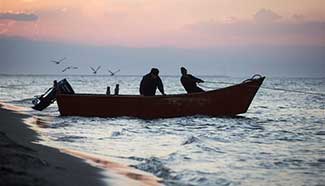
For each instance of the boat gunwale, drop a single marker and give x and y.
(167, 95)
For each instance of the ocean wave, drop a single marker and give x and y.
(320, 133)
(289, 163)
(70, 138)
(284, 135)
(201, 178)
(26, 101)
(136, 158)
(190, 139)
(16, 87)
(155, 166)
(59, 124)
(116, 133)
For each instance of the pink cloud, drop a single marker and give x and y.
(266, 16)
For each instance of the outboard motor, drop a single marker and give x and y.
(43, 101)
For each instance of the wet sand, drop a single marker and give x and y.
(24, 162)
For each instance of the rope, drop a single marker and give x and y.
(204, 86)
(296, 91)
(269, 88)
(220, 82)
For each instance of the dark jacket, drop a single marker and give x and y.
(149, 85)
(189, 83)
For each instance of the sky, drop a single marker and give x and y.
(196, 25)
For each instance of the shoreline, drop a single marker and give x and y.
(25, 162)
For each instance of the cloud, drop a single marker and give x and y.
(263, 29)
(298, 17)
(19, 16)
(266, 16)
(253, 29)
(3, 31)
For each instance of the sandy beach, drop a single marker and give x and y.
(24, 162)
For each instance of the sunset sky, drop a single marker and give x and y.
(214, 37)
(176, 23)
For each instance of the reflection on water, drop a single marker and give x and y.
(135, 176)
(279, 141)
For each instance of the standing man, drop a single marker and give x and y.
(150, 83)
(189, 82)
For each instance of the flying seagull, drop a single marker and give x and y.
(113, 73)
(68, 68)
(95, 71)
(58, 61)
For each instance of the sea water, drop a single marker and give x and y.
(279, 141)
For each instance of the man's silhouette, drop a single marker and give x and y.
(150, 83)
(189, 82)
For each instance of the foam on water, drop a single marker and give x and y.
(279, 141)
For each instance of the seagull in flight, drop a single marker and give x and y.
(58, 61)
(68, 68)
(95, 71)
(113, 73)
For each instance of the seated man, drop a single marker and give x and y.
(150, 83)
(189, 82)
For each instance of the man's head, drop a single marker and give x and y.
(154, 72)
(183, 71)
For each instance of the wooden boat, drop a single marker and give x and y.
(228, 101)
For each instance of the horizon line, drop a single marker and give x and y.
(164, 75)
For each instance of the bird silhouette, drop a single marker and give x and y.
(95, 71)
(113, 73)
(58, 61)
(68, 68)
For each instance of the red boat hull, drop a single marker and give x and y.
(228, 101)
